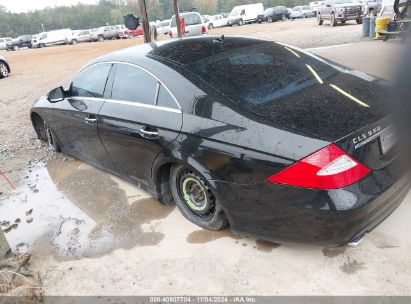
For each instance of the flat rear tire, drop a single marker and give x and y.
(195, 199)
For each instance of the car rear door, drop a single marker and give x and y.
(139, 120)
(76, 117)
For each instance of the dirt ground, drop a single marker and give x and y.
(94, 234)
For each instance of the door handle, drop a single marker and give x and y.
(90, 119)
(151, 133)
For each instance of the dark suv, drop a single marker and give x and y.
(274, 14)
(19, 42)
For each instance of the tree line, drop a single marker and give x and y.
(83, 16)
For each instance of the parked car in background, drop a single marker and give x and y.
(217, 21)
(372, 7)
(301, 12)
(19, 42)
(163, 27)
(339, 11)
(121, 30)
(314, 5)
(82, 36)
(3, 42)
(243, 14)
(58, 37)
(135, 33)
(273, 14)
(104, 32)
(4, 67)
(194, 25)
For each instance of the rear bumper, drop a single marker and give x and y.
(283, 213)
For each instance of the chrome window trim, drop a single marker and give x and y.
(157, 93)
(140, 67)
(143, 105)
(87, 98)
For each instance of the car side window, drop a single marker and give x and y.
(90, 82)
(132, 83)
(165, 99)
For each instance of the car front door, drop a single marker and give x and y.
(138, 122)
(76, 117)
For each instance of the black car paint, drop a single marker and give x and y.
(21, 41)
(234, 149)
(277, 13)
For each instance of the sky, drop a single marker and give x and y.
(21, 6)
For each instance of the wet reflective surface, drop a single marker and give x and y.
(70, 209)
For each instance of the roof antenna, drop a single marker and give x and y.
(221, 39)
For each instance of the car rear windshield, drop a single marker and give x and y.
(258, 74)
(189, 19)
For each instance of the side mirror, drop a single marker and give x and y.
(56, 95)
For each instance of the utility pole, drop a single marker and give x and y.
(177, 14)
(144, 21)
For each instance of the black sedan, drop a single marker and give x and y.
(4, 67)
(273, 14)
(269, 139)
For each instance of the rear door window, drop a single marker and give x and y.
(132, 83)
(91, 82)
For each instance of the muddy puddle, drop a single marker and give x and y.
(71, 210)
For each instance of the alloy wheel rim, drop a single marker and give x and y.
(3, 70)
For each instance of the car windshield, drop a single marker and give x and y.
(268, 10)
(343, 1)
(189, 19)
(261, 73)
(297, 8)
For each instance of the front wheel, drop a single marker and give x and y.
(74, 42)
(333, 21)
(359, 20)
(4, 72)
(283, 18)
(195, 199)
(319, 20)
(15, 48)
(240, 22)
(51, 139)
(270, 19)
(304, 16)
(100, 38)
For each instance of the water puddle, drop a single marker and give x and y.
(72, 210)
(206, 236)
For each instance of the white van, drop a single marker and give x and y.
(243, 14)
(57, 37)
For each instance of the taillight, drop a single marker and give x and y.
(204, 29)
(170, 34)
(329, 168)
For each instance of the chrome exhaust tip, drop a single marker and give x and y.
(356, 240)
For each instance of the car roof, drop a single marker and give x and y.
(181, 51)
